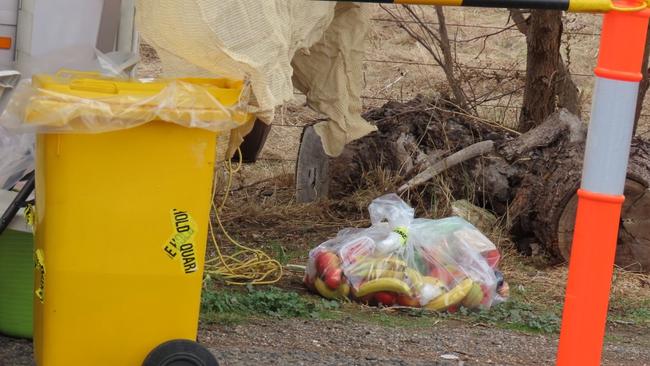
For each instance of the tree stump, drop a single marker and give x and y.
(632, 252)
(312, 168)
(533, 177)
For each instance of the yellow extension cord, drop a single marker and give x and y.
(246, 266)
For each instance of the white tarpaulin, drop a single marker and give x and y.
(315, 46)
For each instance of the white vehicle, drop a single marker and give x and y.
(30, 29)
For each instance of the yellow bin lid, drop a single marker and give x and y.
(90, 102)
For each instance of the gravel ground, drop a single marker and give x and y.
(344, 342)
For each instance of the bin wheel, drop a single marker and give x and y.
(180, 352)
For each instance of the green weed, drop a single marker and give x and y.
(236, 306)
(637, 315)
(519, 316)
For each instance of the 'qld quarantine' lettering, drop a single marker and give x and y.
(181, 244)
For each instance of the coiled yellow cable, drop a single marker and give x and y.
(247, 266)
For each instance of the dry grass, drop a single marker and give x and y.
(266, 216)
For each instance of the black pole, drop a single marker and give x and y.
(520, 4)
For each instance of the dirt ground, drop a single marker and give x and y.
(342, 342)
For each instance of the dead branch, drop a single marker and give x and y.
(520, 21)
(544, 135)
(485, 37)
(470, 152)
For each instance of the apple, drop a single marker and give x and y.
(386, 298)
(492, 257)
(326, 259)
(487, 295)
(356, 252)
(448, 274)
(309, 283)
(332, 277)
(405, 300)
(367, 300)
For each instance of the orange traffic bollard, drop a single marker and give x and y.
(603, 180)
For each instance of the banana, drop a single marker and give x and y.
(393, 264)
(474, 297)
(451, 298)
(379, 273)
(392, 261)
(384, 285)
(343, 291)
(325, 291)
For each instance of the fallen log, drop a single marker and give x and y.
(532, 177)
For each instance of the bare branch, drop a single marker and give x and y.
(437, 43)
(470, 152)
(520, 21)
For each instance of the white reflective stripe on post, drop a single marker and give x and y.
(610, 133)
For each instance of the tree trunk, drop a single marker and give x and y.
(645, 82)
(544, 37)
(532, 178)
(568, 94)
(449, 62)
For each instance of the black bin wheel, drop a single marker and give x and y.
(180, 352)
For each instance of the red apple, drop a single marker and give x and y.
(326, 259)
(487, 295)
(357, 251)
(332, 277)
(447, 274)
(309, 283)
(405, 300)
(386, 298)
(492, 257)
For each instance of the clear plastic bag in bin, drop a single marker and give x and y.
(16, 157)
(72, 101)
(434, 264)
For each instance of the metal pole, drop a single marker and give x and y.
(577, 6)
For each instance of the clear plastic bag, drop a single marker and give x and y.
(17, 157)
(81, 90)
(88, 102)
(434, 264)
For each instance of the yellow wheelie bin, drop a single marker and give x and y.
(122, 215)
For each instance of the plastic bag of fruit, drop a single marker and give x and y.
(400, 260)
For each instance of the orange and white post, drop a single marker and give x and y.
(603, 180)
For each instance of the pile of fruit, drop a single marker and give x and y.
(391, 281)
